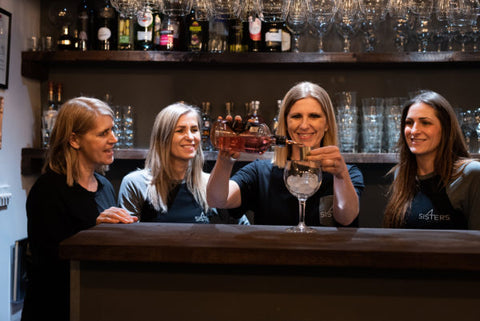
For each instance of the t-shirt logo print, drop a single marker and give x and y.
(202, 218)
(325, 210)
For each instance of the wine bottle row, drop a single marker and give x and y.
(103, 28)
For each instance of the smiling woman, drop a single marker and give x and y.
(307, 117)
(171, 187)
(436, 183)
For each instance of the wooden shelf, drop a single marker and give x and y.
(36, 64)
(32, 158)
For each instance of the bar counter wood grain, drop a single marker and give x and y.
(185, 272)
(272, 245)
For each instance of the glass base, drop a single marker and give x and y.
(300, 229)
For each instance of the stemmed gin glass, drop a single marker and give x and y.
(302, 178)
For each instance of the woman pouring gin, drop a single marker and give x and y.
(306, 117)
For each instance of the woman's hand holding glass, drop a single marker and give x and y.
(330, 159)
(116, 215)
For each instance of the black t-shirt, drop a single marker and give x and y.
(264, 192)
(431, 208)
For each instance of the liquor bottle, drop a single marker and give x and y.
(65, 40)
(86, 25)
(144, 29)
(125, 32)
(275, 118)
(255, 138)
(157, 27)
(49, 115)
(206, 126)
(197, 33)
(170, 33)
(218, 35)
(77, 43)
(236, 41)
(255, 32)
(59, 96)
(272, 36)
(254, 112)
(106, 29)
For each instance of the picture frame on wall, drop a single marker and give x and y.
(5, 30)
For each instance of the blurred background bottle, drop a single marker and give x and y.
(86, 25)
(171, 35)
(144, 28)
(236, 42)
(65, 40)
(106, 26)
(197, 33)
(49, 115)
(125, 32)
(206, 126)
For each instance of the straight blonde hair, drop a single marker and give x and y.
(300, 91)
(159, 159)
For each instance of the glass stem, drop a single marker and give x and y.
(301, 213)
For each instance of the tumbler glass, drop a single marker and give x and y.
(393, 111)
(372, 124)
(347, 121)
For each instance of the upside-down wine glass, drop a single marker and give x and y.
(373, 11)
(297, 20)
(347, 21)
(423, 9)
(398, 10)
(302, 178)
(321, 14)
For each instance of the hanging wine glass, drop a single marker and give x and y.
(302, 179)
(347, 21)
(176, 8)
(462, 16)
(273, 10)
(423, 9)
(297, 20)
(398, 10)
(321, 14)
(372, 11)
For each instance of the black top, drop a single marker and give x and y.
(264, 192)
(55, 212)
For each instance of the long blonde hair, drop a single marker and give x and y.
(300, 91)
(451, 155)
(159, 159)
(77, 115)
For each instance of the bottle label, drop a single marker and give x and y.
(145, 18)
(166, 38)
(104, 34)
(255, 28)
(83, 35)
(273, 35)
(144, 35)
(286, 41)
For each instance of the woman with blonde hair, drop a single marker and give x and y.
(436, 183)
(68, 197)
(172, 186)
(307, 117)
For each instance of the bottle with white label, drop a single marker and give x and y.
(144, 29)
(106, 23)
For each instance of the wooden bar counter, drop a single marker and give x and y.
(149, 271)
